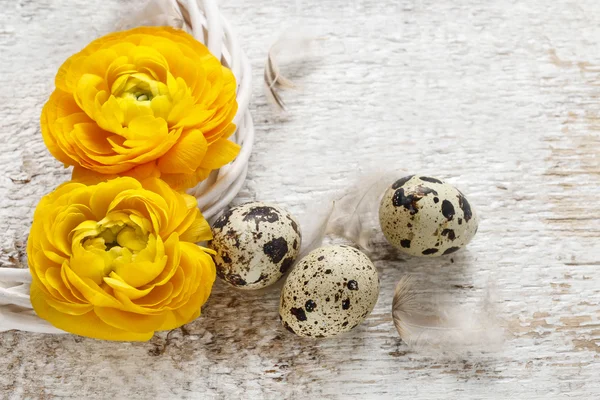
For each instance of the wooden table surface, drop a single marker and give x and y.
(500, 98)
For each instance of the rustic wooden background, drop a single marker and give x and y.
(499, 97)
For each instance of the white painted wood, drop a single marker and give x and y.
(500, 98)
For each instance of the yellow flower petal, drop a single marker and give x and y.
(183, 181)
(157, 297)
(219, 153)
(221, 131)
(146, 266)
(54, 280)
(149, 60)
(128, 321)
(88, 87)
(90, 290)
(186, 155)
(197, 231)
(89, 177)
(119, 285)
(90, 264)
(87, 324)
(59, 105)
(64, 224)
(196, 116)
(171, 248)
(106, 193)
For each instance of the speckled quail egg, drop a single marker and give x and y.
(331, 290)
(423, 216)
(256, 243)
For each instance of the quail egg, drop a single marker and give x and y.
(423, 216)
(256, 243)
(331, 290)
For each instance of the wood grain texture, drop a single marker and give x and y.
(500, 98)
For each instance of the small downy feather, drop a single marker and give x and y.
(156, 13)
(314, 227)
(356, 214)
(352, 214)
(441, 326)
(291, 45)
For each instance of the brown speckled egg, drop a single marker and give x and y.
(329, 291)
(256, 243)
(423, 216)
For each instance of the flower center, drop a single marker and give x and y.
(118, 234)
(138, 87)
(123, 236)
(119, 243)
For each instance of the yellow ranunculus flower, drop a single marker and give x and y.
(118, 260)
(148, 102)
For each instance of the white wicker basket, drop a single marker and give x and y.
(203, 19)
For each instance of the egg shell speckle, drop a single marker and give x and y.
(330, 291)
(256, 243)
(423, 216)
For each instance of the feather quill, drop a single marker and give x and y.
(441, 326)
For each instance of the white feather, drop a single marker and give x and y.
(440, 326)
(293, 45)
(155, 13)
(352, 214)
(356, 214)
(314, 227)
